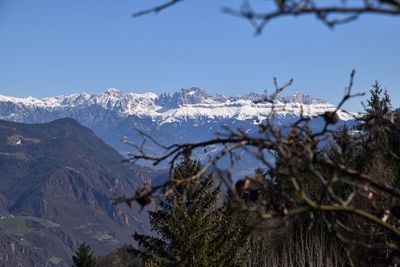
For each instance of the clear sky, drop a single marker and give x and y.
(56, 47)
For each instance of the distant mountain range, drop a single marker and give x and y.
(193, 103)
(57, 182)
(189, 115)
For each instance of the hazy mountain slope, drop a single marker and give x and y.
(57, 181)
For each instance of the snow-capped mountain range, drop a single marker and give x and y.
(188, 115)
(186, 104)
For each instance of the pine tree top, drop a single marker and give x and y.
(84, 256)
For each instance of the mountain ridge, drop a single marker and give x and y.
(186, 103)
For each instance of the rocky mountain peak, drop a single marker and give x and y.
(194, 95)
(113, 92)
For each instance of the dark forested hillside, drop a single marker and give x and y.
(57, 182)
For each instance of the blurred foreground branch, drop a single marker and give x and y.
(330, 13)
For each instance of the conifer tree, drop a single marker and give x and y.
(84, 256)
(381, 139)
(192, 230)
(371, 151)
(375, 120)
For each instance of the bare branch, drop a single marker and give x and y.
(156, 9)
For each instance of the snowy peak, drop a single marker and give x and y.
(192, 96)
(113, 92)
(194, 91)
(301, 98)
(125, 103)
(296, 97)
(195, 95)
(73, 100)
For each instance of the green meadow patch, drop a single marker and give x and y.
(21, 225)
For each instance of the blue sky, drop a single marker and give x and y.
(60, 47)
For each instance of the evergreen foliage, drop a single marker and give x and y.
(369, 148)
(121, 257)
(84, 256)
(192, 230)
